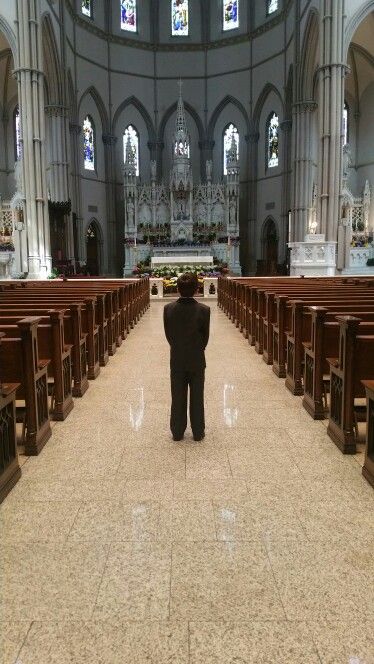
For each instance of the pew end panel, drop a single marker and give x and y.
(368, 467)
(10, 470)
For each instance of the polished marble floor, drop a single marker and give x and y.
(120, 546)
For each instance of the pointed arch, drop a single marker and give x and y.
(134, 101)
(91, 91)
(193, 113)
(354, 22)
(218, 110)
(308, 57)
(51, 63)
(11, 38)
(266, 91)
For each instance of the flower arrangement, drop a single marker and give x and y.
(6, 243)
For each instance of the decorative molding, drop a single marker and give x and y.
(55, 110)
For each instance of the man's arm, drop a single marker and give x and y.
(206, 326)
(166, 325)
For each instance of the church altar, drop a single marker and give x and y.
(181, 259)
(181, 221)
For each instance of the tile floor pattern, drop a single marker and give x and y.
(254, 546)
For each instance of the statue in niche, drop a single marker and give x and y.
(130, 213)
(232, 213)
(347, 162)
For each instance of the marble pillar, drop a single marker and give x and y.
(302, 168)
(30, 80)
(115, 257)
(331, 99)
(252, 139)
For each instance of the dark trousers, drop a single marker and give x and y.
(180, 382)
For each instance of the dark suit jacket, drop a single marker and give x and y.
(186, 323)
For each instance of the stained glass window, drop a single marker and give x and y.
(128, 15)
(230, 14)
(272, 6)
(17, 134)
(273, 141)
(345, 123)
(179, 18)
(87, 8)
(131, 132)
(89, 144)
(230, 132)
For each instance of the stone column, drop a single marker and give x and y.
(115, 244)
(75, 152)
(303, 168)
(331, 98)
(252, 140)
(30, 80)
(286, 127)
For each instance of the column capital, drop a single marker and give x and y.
(156, 145)
(109, 139)
(305, 106)
(286, 125)
(206, 144)
(75, 128)
(252, 137)
(55, 110)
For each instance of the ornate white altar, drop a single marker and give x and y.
(314, 257)
(181, 217)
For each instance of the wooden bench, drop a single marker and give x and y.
(51, 347)
(368, 467)
(10, 470)
(73, 334)
(19, 363)
(324, 343)
(354, 364)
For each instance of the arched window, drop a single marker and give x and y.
(131, 132)
(87, 8)
(17, 134)
(89, 144)
(272, 138)
(230, 14)
(229, 133)
(345, 123)
(179, 18)
(128, 15)
(271, 6)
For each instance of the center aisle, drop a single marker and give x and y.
(122, 546)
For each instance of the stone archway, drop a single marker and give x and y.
(93, 249)
(270, 240)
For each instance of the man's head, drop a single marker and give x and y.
(188, 284)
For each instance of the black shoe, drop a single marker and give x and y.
(177, 440)
(198, 439)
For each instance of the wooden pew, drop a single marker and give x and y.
(73, 334)
(301, 329)
(354, 364)
(51, 347)
(19, 363)
(324, 343)
(368, 467)
(10, 470)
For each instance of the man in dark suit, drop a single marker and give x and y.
(186, 323)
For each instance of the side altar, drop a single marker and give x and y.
(181, 220)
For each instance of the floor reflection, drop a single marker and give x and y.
(230, 407)
(137, 408)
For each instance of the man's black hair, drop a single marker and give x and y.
(188, 284)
